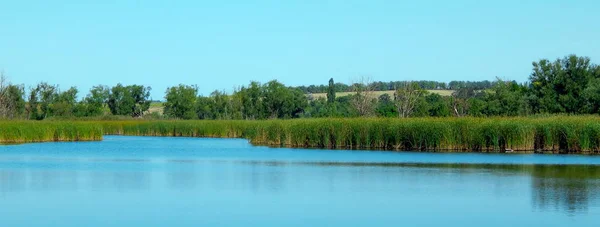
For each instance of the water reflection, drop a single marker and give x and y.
(120, 180)
(53, 180)
(564, 188)
(12, 181)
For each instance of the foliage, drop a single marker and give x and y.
(12, 104)
(180, 102)
(574, 134)
(64, 103)
(95, 102)
(406, 98)
(130, 100)
(331, 91)
(558, 86)
(40, 99)
(570, 85)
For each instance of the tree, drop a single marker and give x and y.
(204, 108)
(95, 101)
(40, 100)
(141, 97)
(252, 106)
(559, 85)
(64, 103)
(180, 101)
(331, 91)
(461, 100)
(592, 95)
(386, 106)
(283, 102)
(12, 103)
(438, 105)
(5, 105)
(132, 100)
(221, 105)
(505, 98)
(406, 98)
(363, 100)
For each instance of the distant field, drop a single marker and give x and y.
(156, 107)
(379, 93)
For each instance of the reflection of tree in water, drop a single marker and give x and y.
(568, 188)
(121, 180)
(12, 181)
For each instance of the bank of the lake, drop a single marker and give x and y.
(14, 132)
(558, 134)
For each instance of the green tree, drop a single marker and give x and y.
(40, 100)
(505, 98)
(406, 98)
(64, 103)
(95, 102)
(559, 85)
(180, 101)
(460, 101)
(204, 108)
(132, 100)
(252, 106)
(221, 105)
(283, 102)
(12, 104)
(385, 106)
(438, 105)
(363, 100)
(592, 96)
(331, 91)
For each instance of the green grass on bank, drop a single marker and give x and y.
(43, 131)
(574, 134)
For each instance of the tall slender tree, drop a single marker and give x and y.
(331, 91)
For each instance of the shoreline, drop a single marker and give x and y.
(558, 134)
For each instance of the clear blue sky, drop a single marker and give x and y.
(222, 44)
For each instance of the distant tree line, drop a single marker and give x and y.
(393, 85)
(569, 85)
(47, 100)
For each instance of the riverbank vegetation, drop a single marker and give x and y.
(556, 110)
(12, 132)
(558, 134)
(569, 85)
(553, 134)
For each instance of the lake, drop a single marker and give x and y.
(156, 181)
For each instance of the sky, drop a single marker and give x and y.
(220, 45)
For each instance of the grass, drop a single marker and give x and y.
(36, 131)
(156, 107)
(565, 134)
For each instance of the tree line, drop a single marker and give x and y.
(47, 100)
(393, 85)
(569, 85)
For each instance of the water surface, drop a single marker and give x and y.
(152, 181)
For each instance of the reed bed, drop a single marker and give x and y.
(564, 134)
(36, 131)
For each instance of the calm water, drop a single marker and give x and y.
(149, 181)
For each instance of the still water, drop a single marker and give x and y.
(152, 181)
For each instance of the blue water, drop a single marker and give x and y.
(153, 181)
